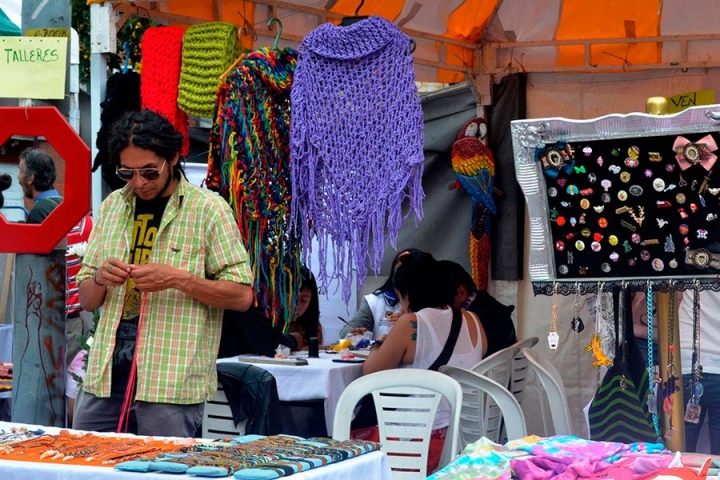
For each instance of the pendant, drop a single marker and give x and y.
(553, 340)
(692, 411)
(652, 403)
(699, 390)
(577, 325)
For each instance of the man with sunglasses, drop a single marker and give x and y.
(164, 259)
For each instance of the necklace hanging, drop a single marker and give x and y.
(553, 337)
(693, 409)
(577, 323)
(671, 385)
(652, 381)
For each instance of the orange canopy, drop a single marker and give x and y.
(487, 37)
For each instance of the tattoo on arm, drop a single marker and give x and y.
(413, 324)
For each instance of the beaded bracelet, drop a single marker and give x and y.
(95, 280)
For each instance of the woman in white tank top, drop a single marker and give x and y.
(419, 336)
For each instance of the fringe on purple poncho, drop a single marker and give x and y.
(356, 145)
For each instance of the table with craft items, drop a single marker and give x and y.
(368, 465)
(321, 379)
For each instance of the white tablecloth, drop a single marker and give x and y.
(372, 465)
(320, 379)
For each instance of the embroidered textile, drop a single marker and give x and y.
(356, 145)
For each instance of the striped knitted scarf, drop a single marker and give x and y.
(357, 145)
(249, 165)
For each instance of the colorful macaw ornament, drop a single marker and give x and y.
(474, 167)
(556, 158)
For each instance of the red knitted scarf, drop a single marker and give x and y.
(161, 61)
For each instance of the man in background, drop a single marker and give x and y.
(37, 178)
(495, 317)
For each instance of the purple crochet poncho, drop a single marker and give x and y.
(356, 145)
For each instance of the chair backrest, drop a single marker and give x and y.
(218, 418)
(497, 367)
(405, 424)
(553, 384)
(520, 368)
(475, 387)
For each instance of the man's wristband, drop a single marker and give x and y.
(95, 280)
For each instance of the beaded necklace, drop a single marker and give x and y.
(693, 408)
(553, 337)
(652, 396)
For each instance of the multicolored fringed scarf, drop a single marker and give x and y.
(249, 165)
(357, 145)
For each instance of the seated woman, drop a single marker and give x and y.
(380, 309)
(307, 318)
(419, 336)
(252, 332)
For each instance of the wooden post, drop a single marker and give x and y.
(39, 340)
(677, 442)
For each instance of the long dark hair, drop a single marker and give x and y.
(147, 130)
(387, 289)
(420, 279)
(309, 321)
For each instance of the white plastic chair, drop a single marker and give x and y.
(218, 419)
(475, 387)
(497, 367)
(405, 423)
(520, 368)
(553, 384)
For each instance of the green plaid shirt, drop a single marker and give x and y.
(177, 346)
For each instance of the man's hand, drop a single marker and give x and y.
(393, 318)
(113, 273)
(153, 277)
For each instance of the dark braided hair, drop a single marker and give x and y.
(42, 166)
(147, 130)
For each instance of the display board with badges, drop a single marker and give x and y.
(622, 198)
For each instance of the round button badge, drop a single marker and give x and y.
(563, 269)
(552, 192)
(584, 203)
(580, 245)
(622, 195)
(613, 240)
(560, 246)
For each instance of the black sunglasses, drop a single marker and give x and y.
(127, 174)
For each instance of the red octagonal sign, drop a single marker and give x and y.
(49, 123)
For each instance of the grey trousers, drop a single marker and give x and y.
(157, 419)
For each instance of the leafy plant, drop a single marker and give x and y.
(131, 33)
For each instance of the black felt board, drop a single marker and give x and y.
(663, 210)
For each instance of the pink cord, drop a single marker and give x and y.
(124, 421)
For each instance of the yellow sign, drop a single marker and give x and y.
(678, 103)
(48, 32)
(33, 67)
